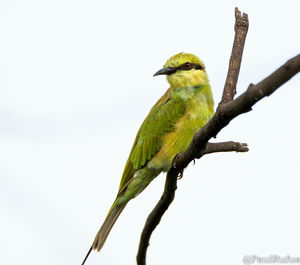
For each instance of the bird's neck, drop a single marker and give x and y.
(192, 78)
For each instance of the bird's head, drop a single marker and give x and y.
(184, 70)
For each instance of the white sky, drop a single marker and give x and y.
(75, 84)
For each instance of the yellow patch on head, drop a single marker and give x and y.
(181, 58)
(186, 78)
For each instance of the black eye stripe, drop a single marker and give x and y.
(199, 66)
(192, 66)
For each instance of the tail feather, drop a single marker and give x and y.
(103, 233)
(110, 220)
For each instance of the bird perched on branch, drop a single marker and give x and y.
(167, 131)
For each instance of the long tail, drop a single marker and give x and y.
(103, 233)
(110, 220)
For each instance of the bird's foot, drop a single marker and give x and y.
(180, 175)
(174, 161)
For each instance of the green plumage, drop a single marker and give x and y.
(167, 130)
(159, 122)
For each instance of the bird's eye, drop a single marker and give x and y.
(187, 65)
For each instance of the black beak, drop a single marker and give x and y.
(165, 71)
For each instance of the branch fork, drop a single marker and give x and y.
(227, 110)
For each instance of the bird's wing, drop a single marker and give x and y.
(160, 121)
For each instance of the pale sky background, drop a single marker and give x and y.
(75, 85)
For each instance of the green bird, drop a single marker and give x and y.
(167, 131)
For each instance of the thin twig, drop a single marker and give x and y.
(225, 147)
(241, 29)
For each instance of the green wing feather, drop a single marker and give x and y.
(160, 121)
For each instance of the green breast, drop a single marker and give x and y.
(199, 109)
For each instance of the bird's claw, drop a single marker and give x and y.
(180, 175)
(174, 161)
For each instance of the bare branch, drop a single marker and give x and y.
(196, 149)
(155, 216)
(227, 110)
(225, 147)
(242, 104)
(169, 194)
(241, 29)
